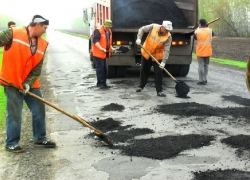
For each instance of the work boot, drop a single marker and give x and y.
(201, 83)
(15, 149)
(47, 144)
(139, 89)
(161, 94)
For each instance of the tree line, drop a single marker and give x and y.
(235, 16)
(5, 19)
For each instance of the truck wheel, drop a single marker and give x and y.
(121, 71)
(92, 60)
(173, 69)
(111, 71)
(184, 69)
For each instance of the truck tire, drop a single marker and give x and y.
(184, 69)
(111, 71)
(92, 60)
(173, 69)
(120, 71)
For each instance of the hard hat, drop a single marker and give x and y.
(108, 23)
(167, 25)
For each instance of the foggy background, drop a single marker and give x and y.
(60, 13)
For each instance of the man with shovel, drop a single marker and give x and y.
(158, 44)
(23, 55)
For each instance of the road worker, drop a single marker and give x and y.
(158, 44)
(23, 55)
(203, 35)
(102, 47)
(11, 24)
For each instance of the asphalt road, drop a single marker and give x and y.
(81, 156)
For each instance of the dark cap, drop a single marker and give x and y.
(203, 22)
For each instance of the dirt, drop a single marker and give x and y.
(37, 162)
(230, 48)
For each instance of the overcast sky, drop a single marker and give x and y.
(58, 12)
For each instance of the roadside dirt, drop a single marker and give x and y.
(36, 162)
(231, 48)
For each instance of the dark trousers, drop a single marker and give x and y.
(145, 70)
(101, 71)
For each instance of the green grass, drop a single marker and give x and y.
(74, 34)
(229, 62)
(2, 100)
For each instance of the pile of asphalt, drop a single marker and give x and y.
(155, 148)
(227, 174)
(137, 13)
(167, 147)
(197, 110)
(113, 107)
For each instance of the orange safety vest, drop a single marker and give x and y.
(204, 42)
(18, 60)
(155, 44)
(103, 42)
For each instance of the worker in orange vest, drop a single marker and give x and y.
(203, 35)
(102, 47)
(158, 44)
(23, 55)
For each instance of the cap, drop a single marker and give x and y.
(203, 21)
(167, 25)
(108, 23)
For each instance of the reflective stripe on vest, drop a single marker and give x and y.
(103, 42)
(18, 60)
(155, 44)
(204, 42)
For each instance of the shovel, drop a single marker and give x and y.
(100, 134)
(121, 49)
(181, 88)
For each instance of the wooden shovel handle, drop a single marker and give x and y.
(158, 63)
(77, 118)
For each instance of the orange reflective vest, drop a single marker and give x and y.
(103, 42)
(18, 60)
(204, 42)
(155, 44)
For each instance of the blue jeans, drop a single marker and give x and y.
(14, 116)
(101, 71)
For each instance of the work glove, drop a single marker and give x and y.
(162, 65)
(25, 90)
(138, 42)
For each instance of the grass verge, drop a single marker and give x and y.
(2, 100)
(229, 62)
(75, 34)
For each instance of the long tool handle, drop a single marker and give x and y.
(218, 18)
(77, 118)
(159, 63)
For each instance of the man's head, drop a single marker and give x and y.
(108, 23)
(11, 24)
(166, 26)
(38, 25)
(203, 22)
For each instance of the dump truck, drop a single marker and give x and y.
(129, 15)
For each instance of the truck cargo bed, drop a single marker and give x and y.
(132, 14)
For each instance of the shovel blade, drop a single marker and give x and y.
(181, 89)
